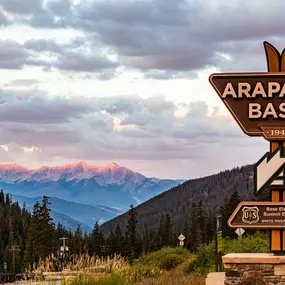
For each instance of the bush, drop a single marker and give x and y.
(205, 258)
(170, 261)
(157, 258)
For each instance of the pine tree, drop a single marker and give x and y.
(32, 241)
(47, 229)
(160, 233)
(168, 233)
(226, 210)
(201, 223)
(132, 232)
(193, 238)
(96, 241)
(119, 240)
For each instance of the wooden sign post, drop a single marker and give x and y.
(257, 103)
(276, 63)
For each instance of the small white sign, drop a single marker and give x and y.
(181, 237)
(239, 232)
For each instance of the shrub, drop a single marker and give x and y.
(157, 258)
(205, 258)
(170, 261)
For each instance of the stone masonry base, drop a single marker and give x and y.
(254, 269)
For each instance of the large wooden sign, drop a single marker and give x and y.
(258, 215)
(256, 101)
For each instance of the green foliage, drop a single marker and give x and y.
(110, 280)
(166, 258)
(171, 261)
(259, 242)
(82, 279)
(205, 258)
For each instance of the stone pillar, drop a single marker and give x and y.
(254, 269)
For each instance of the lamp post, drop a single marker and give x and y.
(63, 250)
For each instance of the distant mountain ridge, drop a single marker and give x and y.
(113, 187)
(71, 214)
(211, 190)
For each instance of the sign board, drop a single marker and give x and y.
(256, 101)
(258, 215)
(239, 232)
(181, 237)
(181, 243)
(269, 170)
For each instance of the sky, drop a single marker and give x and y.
(126, 81)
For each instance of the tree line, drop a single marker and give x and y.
(34, 236)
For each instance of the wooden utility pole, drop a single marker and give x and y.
(276, 63)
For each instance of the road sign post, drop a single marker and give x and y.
(219, 242)
(181, 240)
(256, 101)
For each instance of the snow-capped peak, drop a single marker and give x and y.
(103, 175)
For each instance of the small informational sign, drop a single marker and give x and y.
(258, 215)
(239, 232)
(181, 237)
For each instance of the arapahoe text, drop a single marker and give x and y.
(244, 90)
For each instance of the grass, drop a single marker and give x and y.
(168, 266)
(163, 267)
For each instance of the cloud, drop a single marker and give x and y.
(37, 108)
(20, 7)
(86, 127)
(63, 57)
(163, 40)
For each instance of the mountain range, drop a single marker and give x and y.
(213, 191)
(81, 193)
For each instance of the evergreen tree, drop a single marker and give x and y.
(168, 233)
(132, 232)
(193, 237)
(96, 241)
(226, 211)
(160, 232)
(119, 239)
(201, 224)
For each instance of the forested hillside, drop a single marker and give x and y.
(212, 190)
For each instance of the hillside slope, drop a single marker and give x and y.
(212, 190)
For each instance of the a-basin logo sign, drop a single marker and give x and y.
(256, 101)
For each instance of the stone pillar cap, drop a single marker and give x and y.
(269, 258)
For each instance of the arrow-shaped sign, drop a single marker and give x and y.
(267, 170)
